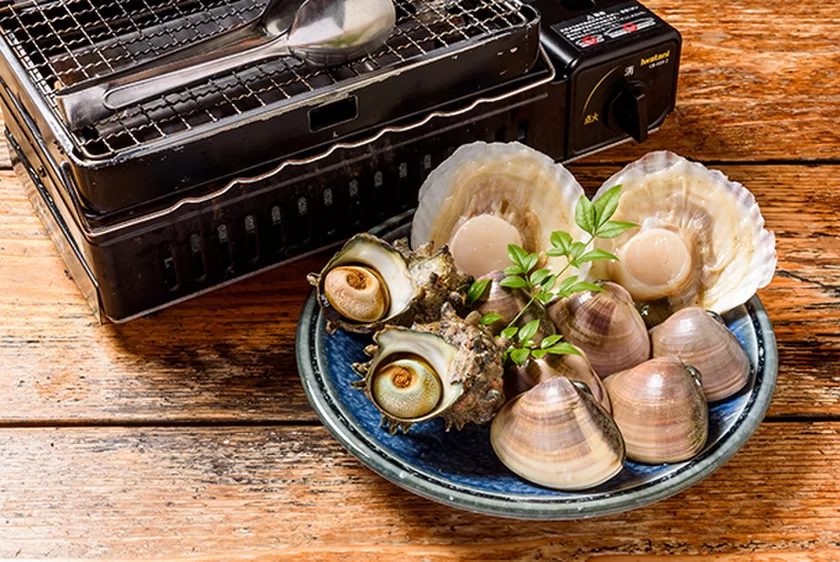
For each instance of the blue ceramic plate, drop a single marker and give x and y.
(459, 468)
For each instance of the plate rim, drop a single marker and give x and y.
(417, 481)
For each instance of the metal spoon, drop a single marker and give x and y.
(322, 33)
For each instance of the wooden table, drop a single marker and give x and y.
(188, 434)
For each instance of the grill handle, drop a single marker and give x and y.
(87, 102)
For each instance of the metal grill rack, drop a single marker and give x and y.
(62, 42)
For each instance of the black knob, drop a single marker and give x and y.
(628, 111)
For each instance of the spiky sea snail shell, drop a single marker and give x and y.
(369, 283)
(660, 409)
(699, 339)
(558, 436)
(573, 367)
(460, 354)
(486, 196)
(701, 240)
(508, 303)
(605, 325)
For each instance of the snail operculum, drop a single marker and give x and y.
(365, 285)
(451, 368)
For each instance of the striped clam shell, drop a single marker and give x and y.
(700, 340)
(573, 367)
(606, 326)
(660, 409)
(556, 435)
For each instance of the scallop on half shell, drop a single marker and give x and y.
(451, 368)
(486, 196)
(558, 436)
(701, 239)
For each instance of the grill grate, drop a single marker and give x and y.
(62, 42)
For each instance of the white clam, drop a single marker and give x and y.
(701, 239)
(486, 196)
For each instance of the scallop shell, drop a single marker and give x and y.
(556, 435)
(729, 255)
(606, 326)
(660, 409)
(511, 181)
(700, 340)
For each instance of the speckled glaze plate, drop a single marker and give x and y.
(460, 469)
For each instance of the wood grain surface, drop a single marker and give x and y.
(293, 494)
(187, 435)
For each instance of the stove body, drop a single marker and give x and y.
(245, 172)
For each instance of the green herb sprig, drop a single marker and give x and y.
(542, 284)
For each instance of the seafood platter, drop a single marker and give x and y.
(516, 348)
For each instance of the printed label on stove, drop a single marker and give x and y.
(606, 25)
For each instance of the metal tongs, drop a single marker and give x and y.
(319, 32)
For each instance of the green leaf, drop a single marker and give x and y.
(517, 255)
(563, 349)
(528, 330)
(509, 332)
(514, 282)
(538, 353)
(611, 229)
(584, 286)
(577, 249)
(565, 285)
(544, 297)
(585, 215)
(530, 344)
(606, 205)
(596, 255)
(561, 241)
(556, 253)
(549, 282)
(539, 276)
(490, 318)
(519, 356)
(530, 262)
(513, 270)
(476, 291)
(550, 340)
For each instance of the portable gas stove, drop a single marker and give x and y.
(248, 170)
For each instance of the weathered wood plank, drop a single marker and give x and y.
(759, 81)
(286, 493)
(230, 355)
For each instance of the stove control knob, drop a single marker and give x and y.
(628, 111)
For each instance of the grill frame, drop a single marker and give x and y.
(61, 56)
(138, 267)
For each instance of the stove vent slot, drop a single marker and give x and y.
(225, 249)
(252, 240)
(197, 265)
(522, 131)
(170, 273)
